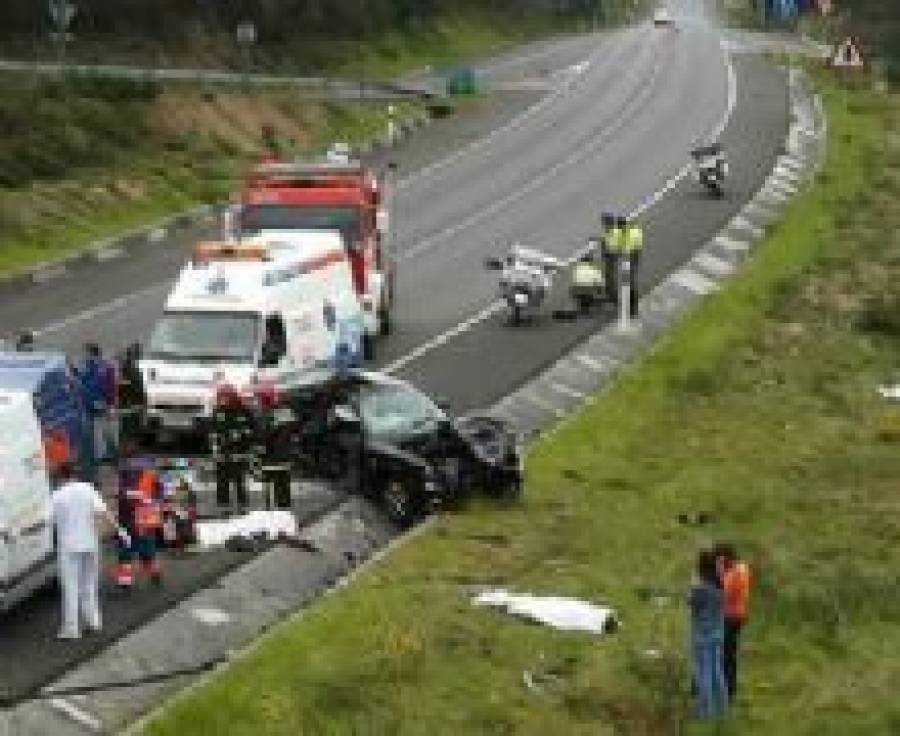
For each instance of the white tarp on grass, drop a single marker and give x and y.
(566, 614)
(273, 524)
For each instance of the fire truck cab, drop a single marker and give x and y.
(338, 194)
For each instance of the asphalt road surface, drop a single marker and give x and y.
(596, 124)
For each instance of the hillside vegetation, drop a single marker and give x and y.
(298, 35)
(83, 158)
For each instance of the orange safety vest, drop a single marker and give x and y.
(56, 450)
(736, 589)
(147, 508)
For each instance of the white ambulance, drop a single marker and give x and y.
(278, 308)
(27, 559)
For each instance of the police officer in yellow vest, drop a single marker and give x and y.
(587, 282)
(615, 245)
(632, 247)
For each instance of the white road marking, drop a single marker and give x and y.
(755, 207)
(100, 309)
(739, 222)
(567, 391)
(482, 142)
(713, 265)
(211, 616)
(532, 398)
(732, 244)
(81, 717)
(693, 281)
(588, 362)
(103, 255)
(538, 181)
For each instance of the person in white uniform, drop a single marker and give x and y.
(76, 508)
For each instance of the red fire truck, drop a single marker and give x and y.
(338, 194)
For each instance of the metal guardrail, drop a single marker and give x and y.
(323, 86)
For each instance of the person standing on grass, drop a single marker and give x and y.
(734, 575)
(707, 635)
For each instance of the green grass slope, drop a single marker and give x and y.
(761, 411)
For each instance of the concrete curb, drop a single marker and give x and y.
(545, 402)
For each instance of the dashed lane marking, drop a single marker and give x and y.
(76, 714)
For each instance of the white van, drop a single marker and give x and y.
(27, 558)
(278, 307)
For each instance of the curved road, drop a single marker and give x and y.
(612, 133)
(616, 126)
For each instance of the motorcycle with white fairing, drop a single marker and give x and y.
(526, 276)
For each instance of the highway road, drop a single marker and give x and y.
(617, 124)
(607, 125)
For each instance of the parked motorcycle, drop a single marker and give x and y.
(526, 276)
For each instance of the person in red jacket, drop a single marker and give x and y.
(734, 575)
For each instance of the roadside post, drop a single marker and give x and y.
(392, 124)
(61, 13)
(624, 294)
(245, 34)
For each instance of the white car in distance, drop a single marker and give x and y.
(662, 17)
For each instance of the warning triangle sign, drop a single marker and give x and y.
(846, 54)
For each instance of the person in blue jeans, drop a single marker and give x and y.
(707, 636)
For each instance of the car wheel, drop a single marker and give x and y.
(399, 502)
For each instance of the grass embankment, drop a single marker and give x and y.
(86, 158)
(759, 410)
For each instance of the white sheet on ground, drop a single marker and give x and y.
(270, 523)
(566, 614)
(890, 392)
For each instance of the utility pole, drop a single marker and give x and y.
(61, 14)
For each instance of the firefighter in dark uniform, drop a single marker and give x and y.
(232, 434)
(275, 430)
(131, 393)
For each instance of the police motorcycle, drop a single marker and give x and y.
(526, 276)
(710, 167)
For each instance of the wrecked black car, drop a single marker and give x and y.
(381, 437)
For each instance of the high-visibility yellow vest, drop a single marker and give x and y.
(615, 240)
(587, 275)
(633, 242)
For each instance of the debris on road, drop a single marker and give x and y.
(256, 524)
(565, 614)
